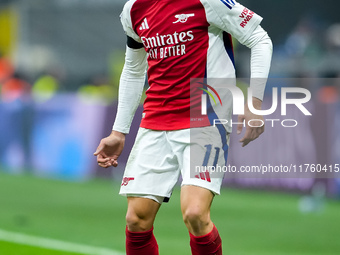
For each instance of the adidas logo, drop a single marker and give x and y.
(144, 25)
(204, 176)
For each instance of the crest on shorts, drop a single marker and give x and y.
(126, 180)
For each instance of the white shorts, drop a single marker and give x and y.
(159, 157)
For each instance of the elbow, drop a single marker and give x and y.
(265, 43)
(133, 73)
(135, 70)
(269, 43)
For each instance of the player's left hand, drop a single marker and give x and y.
(257, 126)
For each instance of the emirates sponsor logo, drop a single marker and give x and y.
(164, 46)
(169, 39)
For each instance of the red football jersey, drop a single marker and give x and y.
(185, 40)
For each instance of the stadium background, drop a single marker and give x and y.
(60, 62)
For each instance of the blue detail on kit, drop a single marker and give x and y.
(221, 129)
(229, 3)
(228, 45)
(207, 155)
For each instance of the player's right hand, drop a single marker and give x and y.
(110, 149)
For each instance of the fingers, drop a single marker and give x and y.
(246, 141)
(240, 125)
(251, 134)
(104, 165)
(115, 163)
(99, 149)
(247, 138)
(102, 159)
(107, 161)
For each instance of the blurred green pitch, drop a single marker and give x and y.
(92, 213)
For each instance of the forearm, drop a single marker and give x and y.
(130, 88)
(261, 54)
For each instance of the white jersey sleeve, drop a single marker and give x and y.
(232, 17)
(125, 19)
(130, 88)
